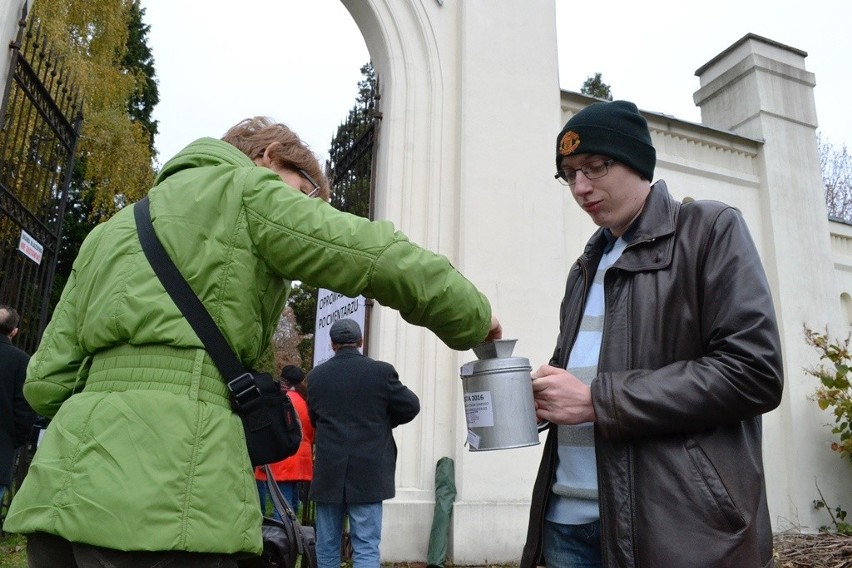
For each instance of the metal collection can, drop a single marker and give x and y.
(498, 399)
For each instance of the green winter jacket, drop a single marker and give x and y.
(143, 451)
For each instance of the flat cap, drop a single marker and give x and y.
(345, 332)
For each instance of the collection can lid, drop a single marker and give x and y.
(502, 365)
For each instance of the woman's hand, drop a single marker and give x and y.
(496, 331)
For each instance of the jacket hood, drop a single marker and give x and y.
(203, 152)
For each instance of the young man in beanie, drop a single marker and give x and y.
(354, 403)
(667, 355)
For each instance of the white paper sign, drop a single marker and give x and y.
(473, 440)
(331, 307)
(478, 410)
(31, 248)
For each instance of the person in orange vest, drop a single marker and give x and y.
(299, 467)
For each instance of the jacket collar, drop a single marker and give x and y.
(657, 218)
(347, 351)
(655, 222)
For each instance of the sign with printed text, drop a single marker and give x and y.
(31, 248)
(331, 307)
(478, 410)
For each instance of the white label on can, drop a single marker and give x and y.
(477, 409)
(472, 440)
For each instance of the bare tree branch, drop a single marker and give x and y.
(836, 178)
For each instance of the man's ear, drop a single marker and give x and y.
(14, 333)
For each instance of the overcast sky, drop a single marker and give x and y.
(299, 60)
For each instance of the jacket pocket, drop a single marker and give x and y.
(720, 506)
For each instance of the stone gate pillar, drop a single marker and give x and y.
(470, 111)
(760, 88)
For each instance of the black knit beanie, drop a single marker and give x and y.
(614, 129)
(292, 374)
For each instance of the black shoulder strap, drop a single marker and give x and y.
(184, 297)
(283, 508)
(278, 499)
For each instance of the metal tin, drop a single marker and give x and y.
(498, 403)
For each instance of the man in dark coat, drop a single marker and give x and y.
(16, 416)
(354, 403)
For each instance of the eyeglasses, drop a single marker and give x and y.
(307, 176)
(592, 170)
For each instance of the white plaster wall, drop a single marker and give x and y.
(512, 237)
(10, 14)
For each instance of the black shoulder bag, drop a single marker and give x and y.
(284, 541)
(271, 425)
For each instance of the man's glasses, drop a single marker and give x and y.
(592, 170)
(307, 176)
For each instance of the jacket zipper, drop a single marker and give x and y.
(630, 479)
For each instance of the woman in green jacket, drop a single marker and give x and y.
(143, 454)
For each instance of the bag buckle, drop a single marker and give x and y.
(244, 389)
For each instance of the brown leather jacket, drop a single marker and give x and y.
(689, 361)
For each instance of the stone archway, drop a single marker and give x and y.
(470, 102)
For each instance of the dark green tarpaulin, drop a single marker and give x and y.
(445, 494)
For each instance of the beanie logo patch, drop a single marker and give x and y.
(570, 141)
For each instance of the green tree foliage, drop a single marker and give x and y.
(595, 87)
(835, 389)
(350, 159)
(834, 393)
(303, 306)
(104, 47)
(139, 61)
(76, 224)
(836, 166)
(303, 302)
(350, 172)
(91, 40)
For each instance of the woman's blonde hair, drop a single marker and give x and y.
(252, 136)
